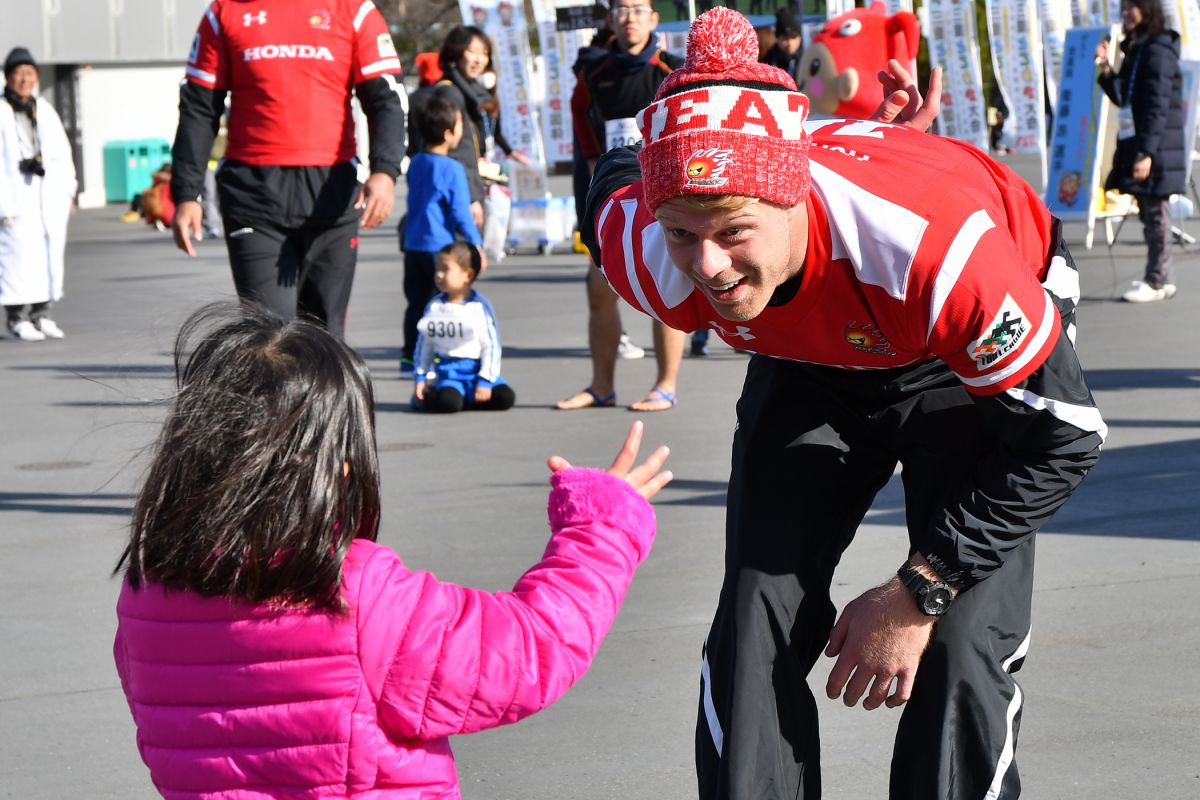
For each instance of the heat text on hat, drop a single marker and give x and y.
(736, 109)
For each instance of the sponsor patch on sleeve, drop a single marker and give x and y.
(1001, 337)
(387, 48)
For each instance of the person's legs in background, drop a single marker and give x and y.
(1159, 280)
(604, 335)
(327, 273)
(39, 315)
(19, 324)
(265, 263)
(419, 267)
(668, 353)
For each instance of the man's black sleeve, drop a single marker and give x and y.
(200, 111)
(384, 102)
(615, 170)
(1050, 433)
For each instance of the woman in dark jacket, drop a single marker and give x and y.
(1151, 158)
(465, 56)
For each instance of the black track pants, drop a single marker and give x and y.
(813, 447)
(292, 235)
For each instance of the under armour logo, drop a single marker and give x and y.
(248, 18)
(742, 332)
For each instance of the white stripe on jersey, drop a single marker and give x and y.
(378, 66)
(363, 10)
(1049, 325)
(212, 20)
(881, 256)
(201, 74)
(673, 286)
(1086, 418)
(628, 208)
(956, 258)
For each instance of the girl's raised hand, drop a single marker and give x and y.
(647, 478)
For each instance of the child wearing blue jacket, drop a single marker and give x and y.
(458, 347)
(439, 211)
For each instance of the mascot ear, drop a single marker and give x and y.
(904, 36)
(847, 84)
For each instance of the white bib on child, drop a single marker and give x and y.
(453, 328)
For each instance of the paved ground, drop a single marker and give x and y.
(1110, 679)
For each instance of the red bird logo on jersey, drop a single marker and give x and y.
(707, 167)
(867, 338)
(321, 19)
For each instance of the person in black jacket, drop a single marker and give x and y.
(611, 87)
(1151, 158)
(785, 53)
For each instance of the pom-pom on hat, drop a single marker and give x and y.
(725, 123)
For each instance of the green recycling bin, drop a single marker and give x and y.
(129, 166)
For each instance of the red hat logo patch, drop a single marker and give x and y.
(707, 167)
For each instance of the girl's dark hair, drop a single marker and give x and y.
(248, 496)
(1153, 21)
(435, 120)
(456, 43)
(466, 256)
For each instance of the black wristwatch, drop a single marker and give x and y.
(933, 597)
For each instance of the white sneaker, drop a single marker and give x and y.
(627, 349)
(1143, 292)
(50, 328)
(26, 332)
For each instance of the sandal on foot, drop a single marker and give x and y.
(592, 400)
(656, 395)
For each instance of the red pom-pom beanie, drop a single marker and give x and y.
(724, 123)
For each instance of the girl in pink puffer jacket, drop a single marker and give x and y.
(269, 648)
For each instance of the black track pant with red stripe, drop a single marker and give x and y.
(813, 447)
(292, 235)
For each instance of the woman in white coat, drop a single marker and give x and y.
(37, 187)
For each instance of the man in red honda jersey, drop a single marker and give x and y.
(910, 302)
(289, 193)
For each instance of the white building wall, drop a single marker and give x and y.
(128, 102)
(100, 31)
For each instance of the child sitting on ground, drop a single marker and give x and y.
(439, 209)
(269, 647)
(458, 346)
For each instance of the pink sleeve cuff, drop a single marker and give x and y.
(581, 496)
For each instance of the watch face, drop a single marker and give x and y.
(937, 601)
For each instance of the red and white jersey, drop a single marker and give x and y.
(290, 68)
(919, 247)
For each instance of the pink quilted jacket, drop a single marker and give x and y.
(238, 702)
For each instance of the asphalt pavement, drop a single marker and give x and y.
(1112, 698)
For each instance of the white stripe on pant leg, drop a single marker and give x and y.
(710, 711)
(1006, 754)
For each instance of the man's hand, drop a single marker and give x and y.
(419, 391)
(881, 636)
(375, 198)
(902, 103)
(1141, 168)
(482, 394)
(187, 225)
(477, 214)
